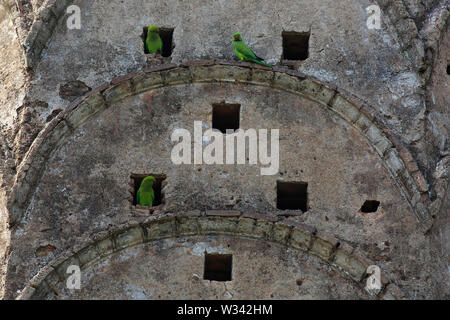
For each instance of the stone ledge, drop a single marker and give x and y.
(223, 213)
(259, 216)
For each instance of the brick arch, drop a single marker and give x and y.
(414, 42)
(406, 30)
(42, 29)
(398, 161)
(344, 258)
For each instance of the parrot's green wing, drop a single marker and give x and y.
(154, 45)
(138, 197)
(145, 198)
(246, 54)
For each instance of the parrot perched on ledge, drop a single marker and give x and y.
(244, 53)
(153, 43)
(146, 194)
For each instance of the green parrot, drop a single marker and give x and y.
(153, 43)
(244, 53)
(145, 194)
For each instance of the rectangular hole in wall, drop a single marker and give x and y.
(225, 116)
(166, 35)
(292, 196)
(136, 180)
(448, 69)
(295, 45)
(218, 267)
(370, 206)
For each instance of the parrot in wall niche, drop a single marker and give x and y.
(146, 194)
(153, 43)
(244, 53)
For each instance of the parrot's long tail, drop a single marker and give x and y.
(263, 63)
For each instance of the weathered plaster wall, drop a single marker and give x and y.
(343, 51)
(438, 131)
(89, 172)
(378, 65)
(11, 94)
(397, 70)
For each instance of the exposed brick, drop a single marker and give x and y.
(235, 63)
(105, 246)
(263, 229)
(345, 108)
(118, 91)
(43, 273)
(363, 123)
(409, 161)
(281, 232)
(160, 228)
(301, 238)
(393, 161)
(262, 76)
(198, 63)
(188, 225)
(53, 279)
(221, 73)
(212, 225)
(408, 184)
(129, 238)
(125, 77)
(258, 216)
(141, 209)
(84, 110)
(176, 76)
(309, 87)
(383, 145)
(376, 136)
(146, 81)
(193, 213)
(325, 94)
(350, 264)
(223, 213)
(160, 68)
(322, 247)
(290, 213)
(246, 226)
(420, 181)
(87, 254)
(286, 82)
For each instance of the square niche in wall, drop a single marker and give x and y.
(166, 35)
(295, 45)
(218, 267)
(136, 180)
(292, 196)
(370, 206)
(225, 116)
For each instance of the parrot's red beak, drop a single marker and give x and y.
(157, 31)
(236, 38)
